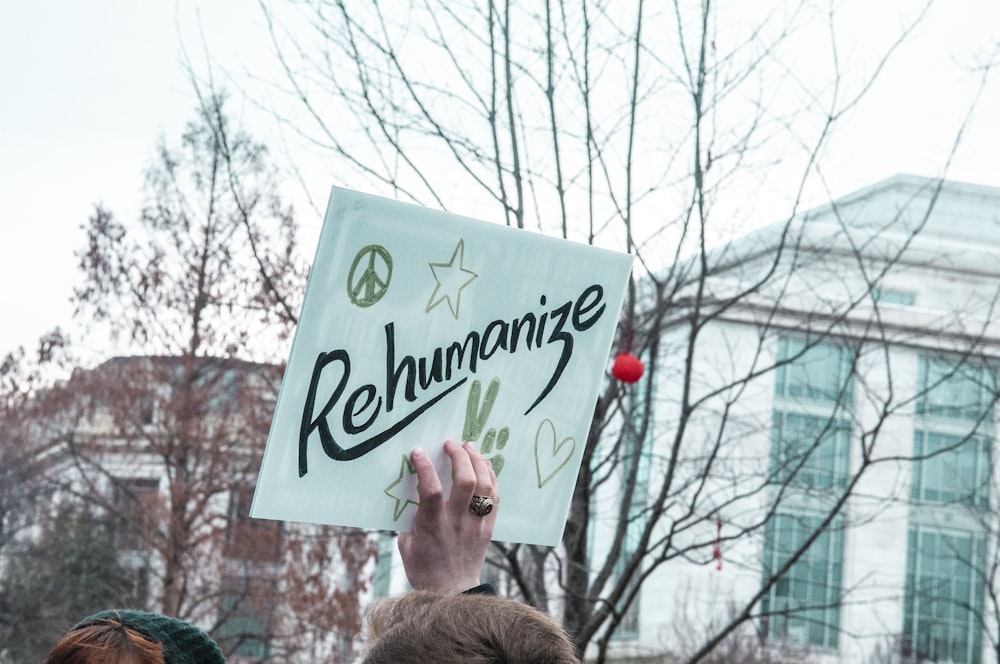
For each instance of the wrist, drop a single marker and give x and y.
(457, 585)
(445, 585)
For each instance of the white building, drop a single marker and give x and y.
(843, 386)
(864, 369)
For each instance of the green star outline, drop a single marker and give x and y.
(453, 306)
(404, 467)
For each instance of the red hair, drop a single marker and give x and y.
(107, 641)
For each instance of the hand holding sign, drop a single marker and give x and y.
(420, 325)
(446, 548)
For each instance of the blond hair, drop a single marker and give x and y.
(423, 627)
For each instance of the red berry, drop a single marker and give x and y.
(627, 368)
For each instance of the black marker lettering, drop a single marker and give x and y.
(567, 352)
(392, 373)
(426, 378)
(515, 330)
(460, 349)
(413, 377)
(309, 425)
(330, 446)
(350, 411)
(501, 338)
(541, 325)
(581, 308)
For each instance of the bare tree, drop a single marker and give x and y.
(215, 244)
(20, 480)
(24, 492)
(651, 128)
(165, 445)
(67, 570)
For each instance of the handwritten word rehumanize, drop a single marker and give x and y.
(425, 381)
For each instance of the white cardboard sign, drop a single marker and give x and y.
(419, 326)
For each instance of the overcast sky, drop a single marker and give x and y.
(88, 87)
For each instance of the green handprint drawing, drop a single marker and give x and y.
(476, 416)
(500, 439)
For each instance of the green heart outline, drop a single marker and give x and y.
(556, 447)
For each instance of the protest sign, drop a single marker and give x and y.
(419, 326)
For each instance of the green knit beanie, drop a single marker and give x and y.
(182, 642)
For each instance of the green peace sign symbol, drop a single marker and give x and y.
(373, 282)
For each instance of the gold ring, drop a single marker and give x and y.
(481, 505)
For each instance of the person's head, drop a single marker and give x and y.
(469, 629)
(134, 637)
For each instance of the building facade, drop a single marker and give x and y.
(836, 472)
(857, 506)
(164, 451)
(839, 409)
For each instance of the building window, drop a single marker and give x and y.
(951, 469)
(243, 627)
(809, 460)
(137, 501)
(250, 539)
(147, 410)
(809, 451)
(628, 627)
(950, 490)
(944, 595)
(803, 606)
(819, 372)
(901, 298)
(381, 581)
(635, 463)
(955, 391)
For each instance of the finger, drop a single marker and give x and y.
(428, 483)
(486, 485)
(493, 477)
(482, 467)
(495, 482)
(464, 477)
